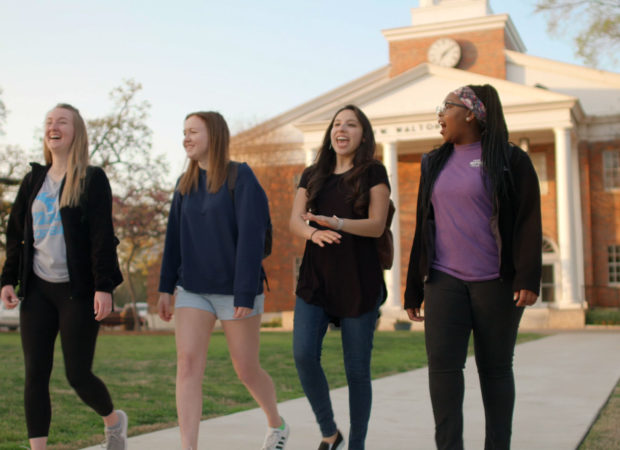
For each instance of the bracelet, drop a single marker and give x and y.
(312, 234)
(340, 223)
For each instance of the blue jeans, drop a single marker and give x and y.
(357, 335)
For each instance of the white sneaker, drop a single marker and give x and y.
(276, 438)
(116, 437)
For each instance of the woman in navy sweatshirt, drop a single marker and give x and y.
(213, 259)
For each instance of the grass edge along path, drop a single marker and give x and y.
(139, 370)
(604, 434)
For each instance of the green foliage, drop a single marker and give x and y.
(594, 26)
(276, 322)
(605, 432)
(603, 316)
(2, 114)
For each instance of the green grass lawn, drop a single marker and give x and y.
(139, 371)
(605, 433)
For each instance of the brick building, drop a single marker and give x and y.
(567, 117)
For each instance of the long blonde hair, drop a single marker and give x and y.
(217, 154)
(77, 161)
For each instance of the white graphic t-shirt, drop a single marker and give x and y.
(50, 251)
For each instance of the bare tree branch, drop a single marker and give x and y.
(594, 27)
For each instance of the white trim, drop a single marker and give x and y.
(549, 65)
(393, 276)
(567, 239)
(453, 27)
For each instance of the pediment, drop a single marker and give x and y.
(418, 91)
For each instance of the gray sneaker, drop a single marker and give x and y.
(276, 437)
(116, 438)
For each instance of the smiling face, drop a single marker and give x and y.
(346, 133)
(59, 131)
(456, 121)
(196, 140)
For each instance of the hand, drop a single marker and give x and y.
(322, 237)
(8, 296)
(241, 312)
(324, 221)
(164, 306)
(103, 305)
(414, 314)
(525, 297)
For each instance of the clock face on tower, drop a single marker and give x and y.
(445, 52)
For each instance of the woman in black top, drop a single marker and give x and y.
(475, 261)
(61, 250)
(340, 208)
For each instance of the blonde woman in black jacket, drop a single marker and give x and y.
(61, 251)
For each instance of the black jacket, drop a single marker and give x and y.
(516, 224)
(88, 231)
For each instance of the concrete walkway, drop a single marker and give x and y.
(562, 382)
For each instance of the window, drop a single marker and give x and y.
(611, 169)
(547, 283)
(613, 264)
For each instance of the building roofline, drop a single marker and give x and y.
(362, 83)
(459, 26)
(551, 65)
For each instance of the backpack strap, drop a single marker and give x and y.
(231, 178)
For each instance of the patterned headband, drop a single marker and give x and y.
(473, 103)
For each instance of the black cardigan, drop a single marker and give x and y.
(516, 224)
(88, 231)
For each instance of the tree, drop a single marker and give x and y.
(594, 25)
(3, 113)
(12, 169)
(121, 144)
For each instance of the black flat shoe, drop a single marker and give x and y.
(337, 445)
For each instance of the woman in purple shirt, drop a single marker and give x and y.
(475, 260)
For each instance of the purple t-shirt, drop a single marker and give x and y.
(464, 244)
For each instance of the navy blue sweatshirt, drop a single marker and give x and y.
(215, 248)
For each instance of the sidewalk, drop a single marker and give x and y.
(562, 382)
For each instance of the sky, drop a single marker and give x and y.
(248, 60)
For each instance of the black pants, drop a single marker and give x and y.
(47, 309)
(453, 309)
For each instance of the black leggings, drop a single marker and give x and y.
(453, 309)
(47, 309)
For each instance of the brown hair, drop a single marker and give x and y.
(77, 161)
(217, 154)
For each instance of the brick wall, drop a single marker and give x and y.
(482, 52)
(605, 224)
(279, 184)
(548, 202)
(409, 179)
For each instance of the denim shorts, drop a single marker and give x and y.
(220, 305)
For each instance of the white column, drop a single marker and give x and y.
(309, 154)
(393, 276)
(567, 230)
(578, 221)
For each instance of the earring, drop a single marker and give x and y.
(468, 119)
